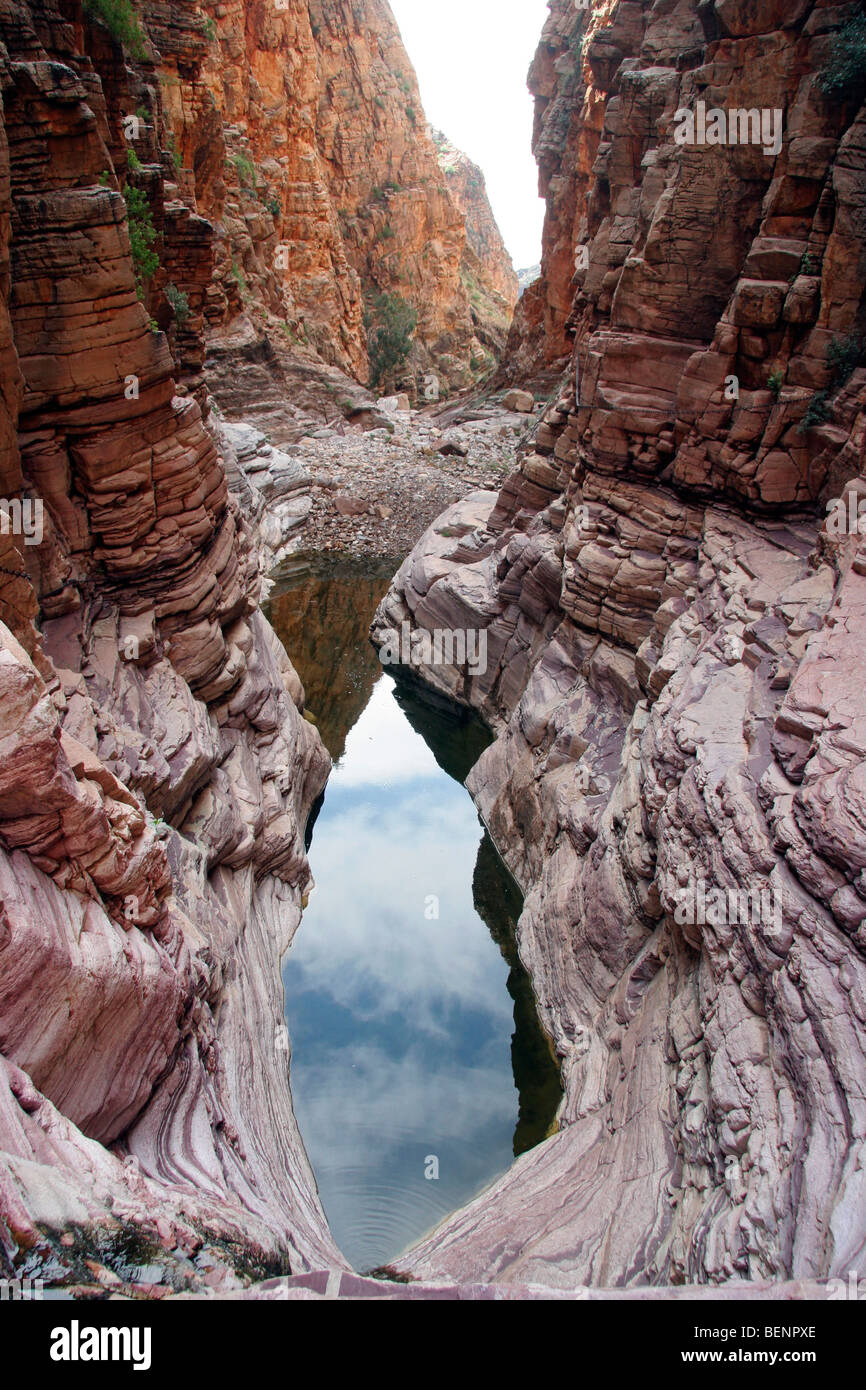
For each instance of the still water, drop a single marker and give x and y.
(419, 1068)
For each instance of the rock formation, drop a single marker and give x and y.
(157, 770)
(297, 129)
(486, 270)
(675, 633)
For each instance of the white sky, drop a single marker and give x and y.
(472, 57)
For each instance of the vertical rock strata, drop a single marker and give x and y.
(156, 768)
(486, 271)
(300, 132)
(676, 663)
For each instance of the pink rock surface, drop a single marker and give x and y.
(676, 667)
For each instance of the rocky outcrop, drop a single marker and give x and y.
(298, 131)
(157, 770)
(675, 665)
(486, 269)
(528, 276)
(272, 486)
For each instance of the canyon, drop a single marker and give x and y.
(207, 222)
(676, 649)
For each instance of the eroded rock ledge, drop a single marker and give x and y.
(675, 675)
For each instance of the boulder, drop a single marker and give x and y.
(523, 402)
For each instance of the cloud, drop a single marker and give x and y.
(401, 1023)
(381, 749)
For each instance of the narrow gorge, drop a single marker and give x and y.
(527, 618)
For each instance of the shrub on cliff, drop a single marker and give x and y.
(246, 170)
(142, 235)
(121, 21)
(179, 302)
(390, 324)
(844, 356)
(844, 73)
(817, 411)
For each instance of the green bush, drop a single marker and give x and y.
(246, 169)
(774, 383)
(807, 267)
(142, 235)
(179, 302)
(817, 411)
(843, 357)
(121, 21)
(390, 323)
(240, 278)
(844, 74)
(171, 151)
(133, 162)
(389, 186)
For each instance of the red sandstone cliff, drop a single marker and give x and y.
(299, 132)
(486, 269)
(156, 770)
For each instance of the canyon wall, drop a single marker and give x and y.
(178, 188)
(486, 271)
(675, 667)
(297, 129)
(157, 770)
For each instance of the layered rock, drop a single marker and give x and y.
(674, 667)
(301, 135)
(486, 269)
(158, 772)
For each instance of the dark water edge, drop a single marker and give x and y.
(413, 1038)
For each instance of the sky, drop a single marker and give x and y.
(472, 57)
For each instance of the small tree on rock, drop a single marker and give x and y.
(390, 323)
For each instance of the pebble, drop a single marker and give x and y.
(400, 478)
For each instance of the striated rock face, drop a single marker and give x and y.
(301, 136)
(486, 270)
(675, 665)
(157, 770)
